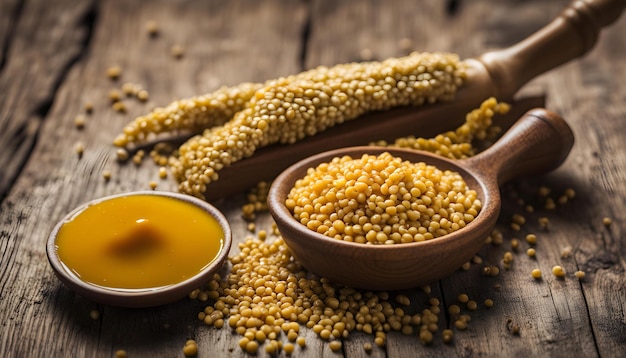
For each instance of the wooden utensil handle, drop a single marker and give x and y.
(537, 143)
(568, 36)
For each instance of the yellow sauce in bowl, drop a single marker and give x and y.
(139, 242)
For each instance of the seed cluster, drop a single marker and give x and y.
(382, 200)
(267, 298)
(457, 144)
(290, 108)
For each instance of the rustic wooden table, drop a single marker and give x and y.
(53, 60)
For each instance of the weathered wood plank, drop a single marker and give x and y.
(226, 43)
(31, 69)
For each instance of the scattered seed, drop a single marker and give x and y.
(447, 335)
(80, 149)
(580, 275)
(114, 72)
(152, 27)
(121, 154)
(119, 107)
(142, 95)
(536, 273)
(177, 51)
(566, 252)
(190, 348)
(79, 121)
(558, 271)
(106, 174)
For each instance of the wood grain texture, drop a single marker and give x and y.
(54, 59)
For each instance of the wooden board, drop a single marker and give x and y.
(54, 59)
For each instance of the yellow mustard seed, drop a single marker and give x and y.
(536, 273)
(153, 184)
(472, 305)
(519, 219)
(454, 310)
(531, 252)
(460, 324)
(367, 347)
(570, 193)
(177, 51)
(119, 107)
(143, 95)
(129, 89)
(94, 315)
(301, 341)
(120, 353)
(114, 72)
(549, 204)
(79, 148)
(531, 239)
(289, 348)
(426, 336)
(121, 155)
(463, 298)
(580, 275)
(488, 303)
(252, 347)
(152, 28)
(88, 107)
(447, 336)
(606, 221)
(558, 271)
(544, 222)
(115, 95)
(137, 159)
(514, 244)
(79, 121)
(390, 194)
(403, 300)
(106, 174)
(251, 227)
(335, 346)
(562, 200)
(190, 348)
(162, 172)
(566, 252)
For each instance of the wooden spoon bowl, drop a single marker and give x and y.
(540, 141)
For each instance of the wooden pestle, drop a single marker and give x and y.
(499, 74)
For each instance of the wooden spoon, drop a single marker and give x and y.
(538, 142)
(499, 74)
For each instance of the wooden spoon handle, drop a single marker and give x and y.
(568, 36)
(537, 143)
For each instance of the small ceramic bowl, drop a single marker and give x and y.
(141, 297)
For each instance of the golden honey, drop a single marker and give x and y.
(139, 242)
